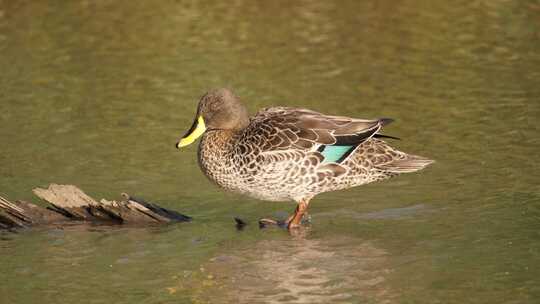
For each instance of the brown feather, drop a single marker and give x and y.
(297, 128)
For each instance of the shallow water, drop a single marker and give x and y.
(96, 94)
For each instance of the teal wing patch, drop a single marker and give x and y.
(335, 154)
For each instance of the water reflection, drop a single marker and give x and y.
(295, 270)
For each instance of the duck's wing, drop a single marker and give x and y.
(284, 128)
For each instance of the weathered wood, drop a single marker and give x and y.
(12, 215)
(70, 204)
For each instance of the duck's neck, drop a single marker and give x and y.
(218, 139)
(215, 149)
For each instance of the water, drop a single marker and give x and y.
(97, 93)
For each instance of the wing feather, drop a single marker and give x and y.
(284, 128)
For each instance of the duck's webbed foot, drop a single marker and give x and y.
(265, 222)
(299, 217)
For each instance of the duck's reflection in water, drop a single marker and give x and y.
(299, 270)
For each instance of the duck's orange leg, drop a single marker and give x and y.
(295, 220)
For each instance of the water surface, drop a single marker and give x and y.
(96, 93)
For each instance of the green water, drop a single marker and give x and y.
(96, 93)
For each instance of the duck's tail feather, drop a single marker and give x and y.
(410, 163)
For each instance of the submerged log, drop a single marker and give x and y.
(69, 204)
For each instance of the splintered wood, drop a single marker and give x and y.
(69, 204)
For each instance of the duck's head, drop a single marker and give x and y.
(218, 110)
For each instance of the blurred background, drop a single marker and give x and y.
(96, 94)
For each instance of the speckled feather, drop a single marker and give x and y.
(278, 156)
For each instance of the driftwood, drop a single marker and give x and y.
(69, 204)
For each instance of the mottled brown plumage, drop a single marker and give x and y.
(284, 153)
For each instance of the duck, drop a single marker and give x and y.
(290, 154)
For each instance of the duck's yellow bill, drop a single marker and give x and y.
(196, 130)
